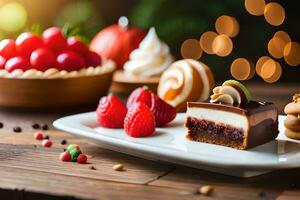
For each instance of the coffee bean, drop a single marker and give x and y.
(1, 125)
(17, 129)
(36, 126)
(46, 137)
(45, 127)
(92, 167)
(63, 142)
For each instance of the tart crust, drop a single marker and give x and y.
(53, 73)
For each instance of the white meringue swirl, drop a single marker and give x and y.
(150, 59)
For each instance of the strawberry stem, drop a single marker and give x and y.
(146, 87)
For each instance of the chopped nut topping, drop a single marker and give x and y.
(118, 167)
(296, 98)
(206, 189)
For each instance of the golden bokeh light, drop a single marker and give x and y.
(255, 7)
(190, 48)
(242, 69)
(13, 17)
(283, 36)
(206, 41)
(227, 25)
(276, 47)
(274, 13)
(291, 53)
(277, 43)
(260, 62)
(271, 71)
(222, 45)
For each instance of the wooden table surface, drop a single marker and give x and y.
(30, 171)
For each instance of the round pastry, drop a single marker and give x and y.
(292, 134)
(185, 80)
(292, 122)
(292, 108)
(145, 65)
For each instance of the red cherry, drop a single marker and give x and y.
(2, 62)
(75, 45)
(93, 59)
(69, 61)
(8, 48)
(55, 39)
(27, 42)
(17, 62)
(42, 59)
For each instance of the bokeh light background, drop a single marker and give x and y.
(246, 31)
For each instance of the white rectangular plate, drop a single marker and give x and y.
(169, 144)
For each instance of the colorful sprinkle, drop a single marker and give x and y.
(65, 156)
(47, 143)
(74, 154)
(82, 158)
(39, 135)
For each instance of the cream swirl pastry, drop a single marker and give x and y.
(150, 59)
(185, 80)
(55, 73)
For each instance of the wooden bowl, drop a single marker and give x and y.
(54, 94)
(123, 84)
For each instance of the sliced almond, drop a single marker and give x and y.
(216, 90)
(214, 96)
(232, 92)
(224, 99)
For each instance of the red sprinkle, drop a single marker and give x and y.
(82, 158)
(65, 156)
(47, 143)
(39, 135)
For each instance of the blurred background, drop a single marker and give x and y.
(175, 21)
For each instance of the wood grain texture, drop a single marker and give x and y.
(267, 186)
(25, 156)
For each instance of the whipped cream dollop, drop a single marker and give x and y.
(226, 95)
(55, 73)
(150, 59)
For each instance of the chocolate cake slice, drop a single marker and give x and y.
(225, 122)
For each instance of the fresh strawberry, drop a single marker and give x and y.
(162, 111)
(141, 94)
(139, 121)
(111, 112)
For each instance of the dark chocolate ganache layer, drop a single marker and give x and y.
(214, 131)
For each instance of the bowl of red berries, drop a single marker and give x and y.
(51, 71)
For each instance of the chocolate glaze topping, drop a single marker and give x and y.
(249, 109)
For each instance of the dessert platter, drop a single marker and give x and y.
(51, 71)
(174, 112)
(223, 129)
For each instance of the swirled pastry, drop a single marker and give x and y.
(185, 80)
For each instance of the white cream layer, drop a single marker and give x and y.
(219, 116)
(231, 118)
